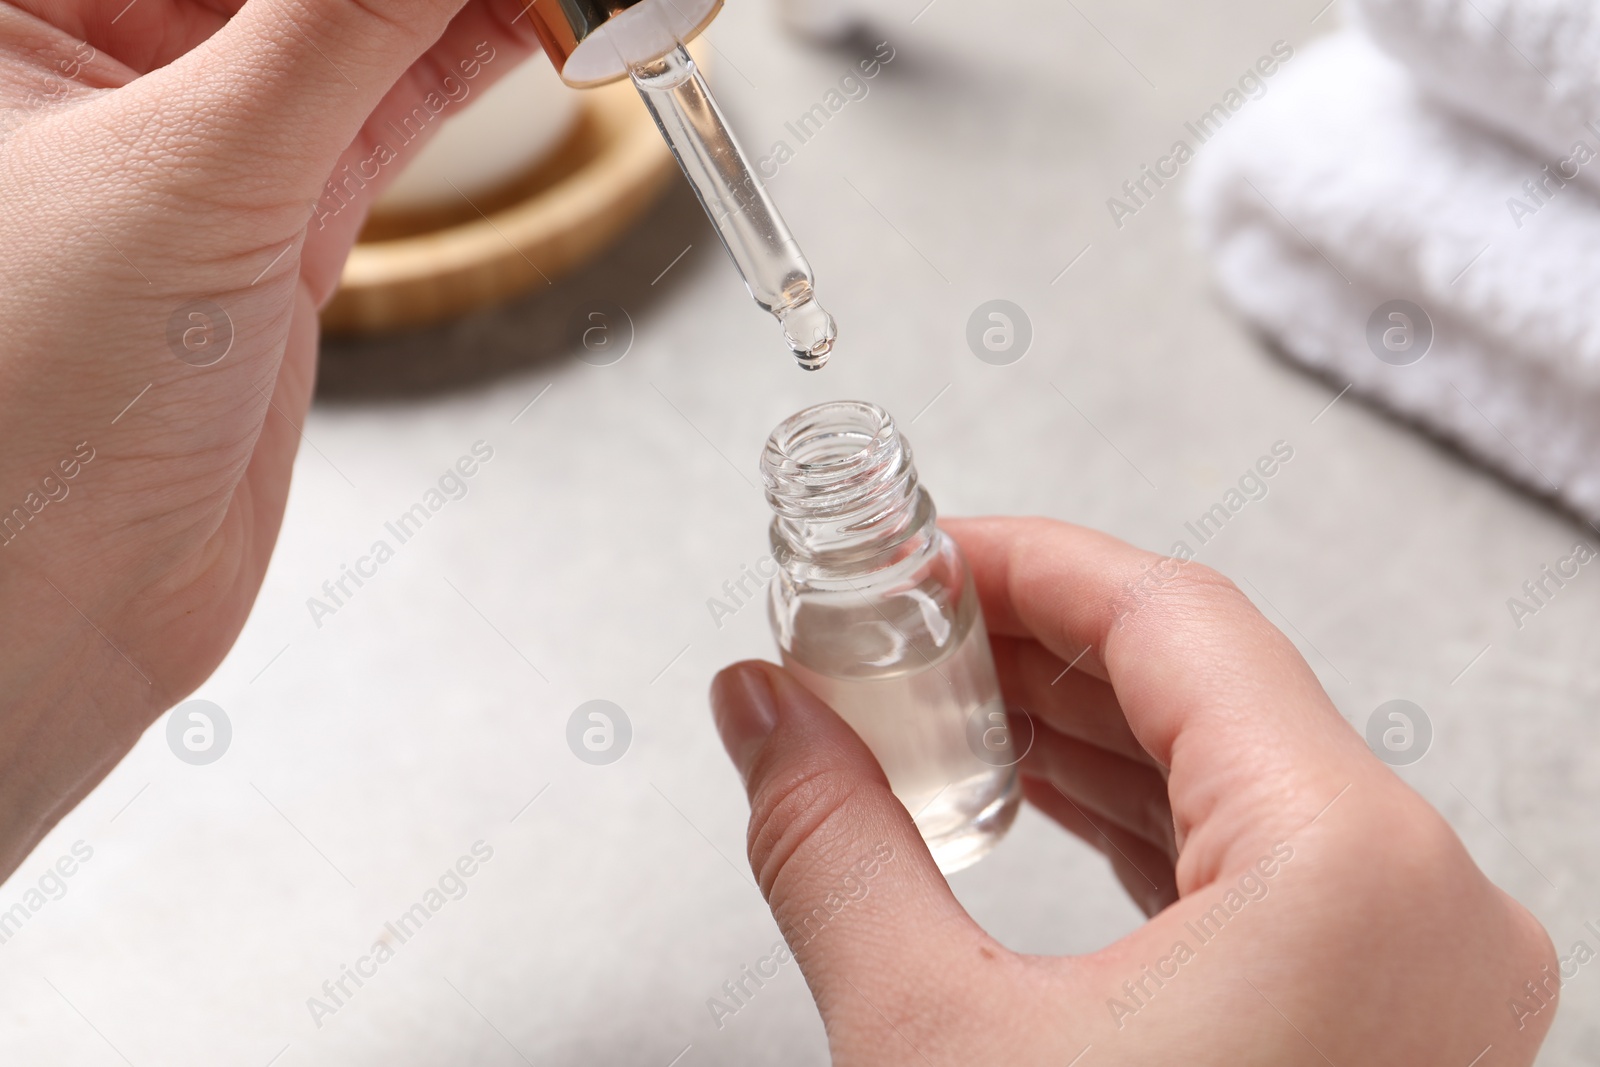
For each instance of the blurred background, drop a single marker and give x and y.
(374, 741)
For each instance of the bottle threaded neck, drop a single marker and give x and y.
(841, 482)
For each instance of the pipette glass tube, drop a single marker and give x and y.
(762, 248)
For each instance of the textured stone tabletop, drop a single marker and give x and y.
(416, 728)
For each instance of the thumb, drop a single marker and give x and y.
(855, 891)
(286, 85)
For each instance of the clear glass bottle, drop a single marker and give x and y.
(874, 611)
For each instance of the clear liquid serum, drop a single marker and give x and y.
(874, 611)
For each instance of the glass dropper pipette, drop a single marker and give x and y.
(761, 246)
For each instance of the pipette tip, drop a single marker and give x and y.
(811, 333)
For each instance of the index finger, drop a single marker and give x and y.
(1210, 688)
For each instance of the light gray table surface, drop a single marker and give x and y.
(371, 751)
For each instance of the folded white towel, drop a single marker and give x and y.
(1343, 190)
(1527, 68)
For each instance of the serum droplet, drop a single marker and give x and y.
(810, 331)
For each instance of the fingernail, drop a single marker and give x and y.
(746, 710)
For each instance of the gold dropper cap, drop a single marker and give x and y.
(592, 42)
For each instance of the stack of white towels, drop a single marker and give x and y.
(1427, 184)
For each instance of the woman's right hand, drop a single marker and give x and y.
(1308, 908)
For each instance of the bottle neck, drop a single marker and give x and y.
(844, 493)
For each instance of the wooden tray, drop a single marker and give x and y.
(419, 270)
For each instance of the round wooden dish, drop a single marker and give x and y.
(421, 269)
